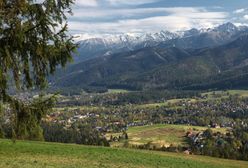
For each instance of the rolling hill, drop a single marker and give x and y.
(160, 135)
(40, 154)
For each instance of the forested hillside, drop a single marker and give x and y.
(167, 68)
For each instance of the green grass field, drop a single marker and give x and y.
(210, 96)
(161, 135)
(117, 91)
(226, 94)
(24, 154)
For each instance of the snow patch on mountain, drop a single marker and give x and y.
(102, 45)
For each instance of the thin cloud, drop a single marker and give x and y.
(173, 19)
(87, 3)
(103, 13)
(246, 17)
(130, 2)
(238, 11)
(171, 22)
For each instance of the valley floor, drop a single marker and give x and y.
(26, 154)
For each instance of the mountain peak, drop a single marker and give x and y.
(227, 27)
(191, 32)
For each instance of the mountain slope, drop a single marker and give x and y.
(220, 35)
(102, 46)
(211, 68)
(157, 67)
(118, 67)
(94, 47)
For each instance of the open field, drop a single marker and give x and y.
(41, 155)
(208, 96)
(117, 91)
(167, 103)
(225, 94)
(162, 135)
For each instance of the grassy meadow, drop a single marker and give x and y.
(226, 94)
(117, 91)
(25, 154)
(161, 135)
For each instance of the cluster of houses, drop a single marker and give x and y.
(182, 112)
(56, 117)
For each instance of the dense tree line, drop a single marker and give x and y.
(231, 145)
(133, 97)
(78, 133)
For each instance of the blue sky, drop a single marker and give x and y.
(137, 16)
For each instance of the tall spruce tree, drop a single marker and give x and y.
(33, 42)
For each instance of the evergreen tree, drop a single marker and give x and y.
(34, 41)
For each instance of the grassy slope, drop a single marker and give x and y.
(210, 96)
(161, 134)
(117, 91)
(41, 155)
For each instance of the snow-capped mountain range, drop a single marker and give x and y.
(91, 47)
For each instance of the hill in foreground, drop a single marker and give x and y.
(40, 154)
